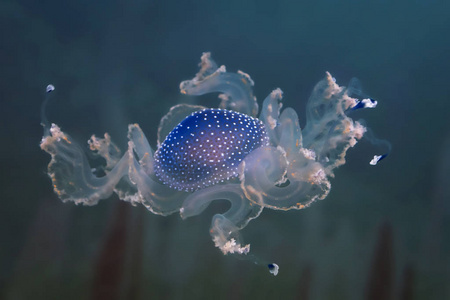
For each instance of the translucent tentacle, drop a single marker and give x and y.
(156, 197)
(329, 132)
(269, 114)
(289, 133)
(224, 227)
(71, 173)
(269, 180)
(236, 87)
(44, 122)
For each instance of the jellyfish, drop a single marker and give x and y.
(253, 158)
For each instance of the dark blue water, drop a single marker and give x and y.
(382, 232)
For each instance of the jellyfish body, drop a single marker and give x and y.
(206, 148)
(211, 154)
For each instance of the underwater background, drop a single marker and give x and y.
(382, 233)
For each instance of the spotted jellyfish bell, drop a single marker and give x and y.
(206, 148)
